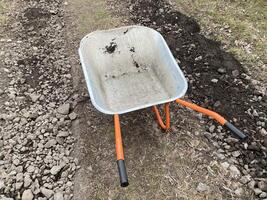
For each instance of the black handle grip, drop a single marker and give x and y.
(122, 173)
(236, 131)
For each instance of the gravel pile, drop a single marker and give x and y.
(35, 139)
(217, 81)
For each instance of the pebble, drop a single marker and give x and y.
(46, 192)
(50, 143)
(30, 169)
(235, 73)
(263, 186)
(202, 187)
(225, 165)
(222, 70)
(212, 128)
(257, 191)
(239, 192)
(55, 169)
(34, 97)
(263, 195)
(27, 195)
(58, 196)
(263, 132)
(64, 109)
(234, 171)
(27, 180)
(214, 80)
(245, 179)
(72, 116)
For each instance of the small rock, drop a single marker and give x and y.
(263, 186)
(2, 184)
(50, 143)
(55, 169)
(198, 58)
(235, 73)
(214, 80)
(234, 171)
(257, 191)
(212, 128)
(63, 134)
(27, 195)
(48, 193)
(239, 192)
(58, 196)
(225, 165)
(263, 132)
(64, 109)
(202, 187)
(236, 153)
(30, 169)
(222, 70)
(263, 195)
(1, 92)
(27, 180)
(72, 116)
(34, 97)
(18, 185)
(251, 184)
(245, 179)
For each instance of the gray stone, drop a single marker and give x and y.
(48, 193)
(18, 185)
(58, 196)
(30, 169)
(245, 179)
(34, 97)
(212, 128)
(72, 116)
(234, 171)
(63, 134)
(64, 109)
(214, 80)
(239, 192)
(27, 180)
(225, 165)
(202, 187)
(263, 195)
(263, 186)
(235, 73)
(222, 70)
(27, 195)
(257, 191)
(263, 132)
(50, 143)
(55, 169)
(251, 184)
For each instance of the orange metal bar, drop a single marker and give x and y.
(205, 111)
(118, 138)
(167, 113)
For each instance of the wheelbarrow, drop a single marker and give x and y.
(132, 68)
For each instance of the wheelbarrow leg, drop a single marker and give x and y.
(119, 151)
(215, 116)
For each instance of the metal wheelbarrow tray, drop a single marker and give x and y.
(131, 68)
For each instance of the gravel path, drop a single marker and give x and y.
(36, 114)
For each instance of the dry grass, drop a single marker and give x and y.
(240, 25)
(3, 8)
(93, 15)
